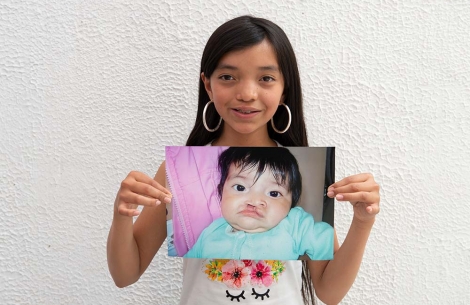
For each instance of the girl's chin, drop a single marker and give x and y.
(248, 129)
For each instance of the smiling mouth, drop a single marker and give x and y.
(246, 111)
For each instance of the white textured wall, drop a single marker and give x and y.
(90, 90)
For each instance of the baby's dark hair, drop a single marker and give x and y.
(279, 160)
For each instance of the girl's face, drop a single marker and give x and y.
(254, 206)
(246, 88)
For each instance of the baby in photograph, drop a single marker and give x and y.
(259, 190)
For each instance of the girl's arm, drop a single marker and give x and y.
(131, 247)
(333, 279)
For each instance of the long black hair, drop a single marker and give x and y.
(237, 34)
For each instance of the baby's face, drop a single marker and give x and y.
(254, 207)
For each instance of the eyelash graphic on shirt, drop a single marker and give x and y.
(260, 295)
(241, 295)
(232, 297)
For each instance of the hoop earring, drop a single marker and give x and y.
(288, 123)
(204, 118)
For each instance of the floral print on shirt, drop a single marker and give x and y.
(237, 274)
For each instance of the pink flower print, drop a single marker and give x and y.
(235, 274)
(261, 274)
(248, 262)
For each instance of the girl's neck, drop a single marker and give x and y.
(231, 138)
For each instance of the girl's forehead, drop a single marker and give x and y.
(261, 54)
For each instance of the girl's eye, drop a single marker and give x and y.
(274, 194)
(239, 188)
(267, 79)
(226, 77)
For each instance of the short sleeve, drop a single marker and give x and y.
(316, 239)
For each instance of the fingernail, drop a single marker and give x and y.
(330, 194)
(158, 202)
(167, 200)
(339, 197)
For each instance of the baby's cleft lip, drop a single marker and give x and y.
(251, 213)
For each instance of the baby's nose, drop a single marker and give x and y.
(258, 202)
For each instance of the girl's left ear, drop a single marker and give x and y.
(207, 84)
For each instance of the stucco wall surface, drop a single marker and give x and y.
(90, 90)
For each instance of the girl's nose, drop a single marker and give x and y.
(247, 92)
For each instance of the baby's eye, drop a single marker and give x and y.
(267, 79)
(239, 187)
(275, 194)
(226, 77)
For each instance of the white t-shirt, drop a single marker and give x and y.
(247, 282)
(212, 281)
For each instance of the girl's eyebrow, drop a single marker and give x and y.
(269, 68)
(262, 68)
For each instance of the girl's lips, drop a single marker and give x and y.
(245, 113)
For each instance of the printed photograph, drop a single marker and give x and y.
(253, 203)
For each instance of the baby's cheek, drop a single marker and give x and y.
(278, 215)
(227, 208)
(223, 205)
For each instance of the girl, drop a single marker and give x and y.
(249, 95)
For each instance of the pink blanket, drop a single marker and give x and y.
(193, 177)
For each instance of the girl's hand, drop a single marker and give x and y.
(362, 192)
(139, 189)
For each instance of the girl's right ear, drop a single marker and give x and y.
(207, 85)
